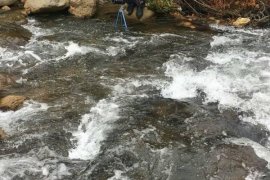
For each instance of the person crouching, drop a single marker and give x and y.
(138, 4)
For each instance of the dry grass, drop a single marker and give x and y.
(227, 4)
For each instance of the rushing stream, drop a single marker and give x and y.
(158, 102)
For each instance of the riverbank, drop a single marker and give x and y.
(192, 14)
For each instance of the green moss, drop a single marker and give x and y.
(160, 6)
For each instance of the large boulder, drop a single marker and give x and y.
(38, 6)
(7, 2)
(83, 8)
(11, 102)
(3, 135)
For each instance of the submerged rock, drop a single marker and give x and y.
(6, 80)
(83, 8)
(34, 6)
(3, 135)
(13, 35)
(12, 102)
(13, 16)
(7, 2)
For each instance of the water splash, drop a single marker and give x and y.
(238, 78)
(93, 130)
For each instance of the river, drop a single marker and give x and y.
(158, 102)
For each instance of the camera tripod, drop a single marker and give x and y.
(121, 17)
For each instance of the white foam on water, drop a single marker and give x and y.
(124, 42)
(93, 130)
(261, 151)
(34, 50)
(121, 44)
(238, 78)
(96, 125)
(136, 87)
(114, 51)
(254, 175)
(32, 26)
(171, 35)
(33, 55)
(7, 55)
(250, 31)
(186, 82)
(59, 173)
(225, 40)
(42, 165)
(9, 118)
(118, 176)
(74, 48)
(17, 166)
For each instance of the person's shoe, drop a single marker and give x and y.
(130, 9)
(139, 11)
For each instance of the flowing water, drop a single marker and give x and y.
(158, 102)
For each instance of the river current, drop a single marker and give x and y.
(157, 102)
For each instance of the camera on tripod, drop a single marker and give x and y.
(118, 1)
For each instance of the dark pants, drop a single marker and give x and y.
(139, 4)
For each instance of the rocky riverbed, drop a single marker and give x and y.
(157, 102)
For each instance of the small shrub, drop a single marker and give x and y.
(160, 6)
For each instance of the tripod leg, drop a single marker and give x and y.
(116, 22)
(124, 23)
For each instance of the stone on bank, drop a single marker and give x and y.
(240, 22)
(37, 6)
(7, 2)
(83, 8)
(5, 8)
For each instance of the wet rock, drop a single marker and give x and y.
(13, 35)
(233, 162)
(184, 139)
(5, 8)
(3, 135)
(83, 8)
(34, 6)
(11, 102)
(6, 80)
(240, 22)
(7, 2)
